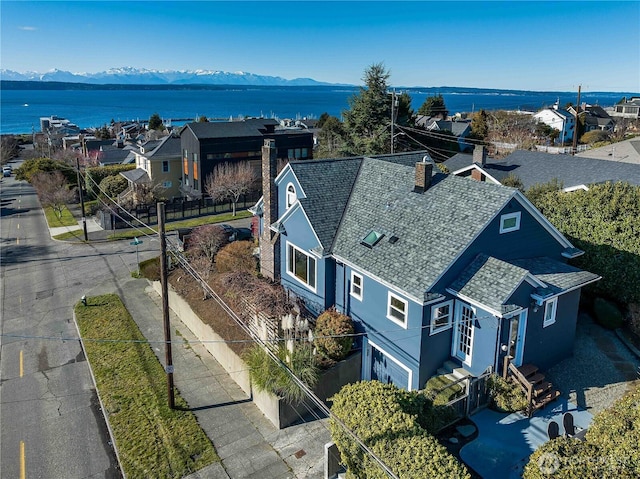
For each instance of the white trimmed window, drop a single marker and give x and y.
(301, 266)
(550, 309)
(441, 317)
(165, 166)
(356, 285)
(397, 309)
(291, 195)
(166, 184)
(510, 222)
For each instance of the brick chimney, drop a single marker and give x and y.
(480, 159)
(480, 155)
(269, 241)
(424, 170)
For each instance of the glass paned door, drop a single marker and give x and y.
(464, 333)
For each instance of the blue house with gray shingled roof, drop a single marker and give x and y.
(432, 268)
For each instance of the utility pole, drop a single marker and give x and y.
(165, 305)
(80, 188)
(393, 106)
(575, 130)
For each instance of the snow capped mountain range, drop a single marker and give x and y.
(143, 76)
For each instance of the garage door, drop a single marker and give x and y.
(386, 369)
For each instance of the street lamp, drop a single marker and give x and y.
(135, 243)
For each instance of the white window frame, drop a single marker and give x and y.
(291, 196)
(433, 329)
(399, 322)
(352, 289)
(292, 248)
(553, 305)
(517, 215)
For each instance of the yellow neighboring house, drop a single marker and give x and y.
(158, 163)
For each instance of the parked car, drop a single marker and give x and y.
(237, 234)
(6, 171)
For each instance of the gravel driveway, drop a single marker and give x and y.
(601, 370)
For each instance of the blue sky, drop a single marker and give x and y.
(539, 45)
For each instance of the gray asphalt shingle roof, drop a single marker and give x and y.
(490, 281)
(536, 167)
(557, 275)
(324, 205)
(136, 176)
(250, 127)
(432, 227)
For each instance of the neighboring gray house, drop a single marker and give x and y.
(533, 167)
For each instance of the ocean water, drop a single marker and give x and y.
(20, 110)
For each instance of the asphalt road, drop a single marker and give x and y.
(51, 425)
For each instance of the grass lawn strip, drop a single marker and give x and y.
(152, 439)
(190, 223)
(53, 220)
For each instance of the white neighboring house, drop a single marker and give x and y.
(560, 119)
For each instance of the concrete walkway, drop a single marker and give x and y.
(248, 444)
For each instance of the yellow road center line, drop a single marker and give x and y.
(21, 364)
(23, 466)
(17, 240)
(18, 225)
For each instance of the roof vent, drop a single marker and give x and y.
(394, 239)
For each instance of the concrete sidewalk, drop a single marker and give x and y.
(248, 444)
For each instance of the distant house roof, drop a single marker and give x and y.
(113, 155)
(229, 129)
(458, 128)
(534, 167)
(168, 146)
(136, 176)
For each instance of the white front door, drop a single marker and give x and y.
(463, 337)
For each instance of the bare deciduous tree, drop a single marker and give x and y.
(53, 190)
(230, 181)
(206, 240)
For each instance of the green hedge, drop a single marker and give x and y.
(96, 174)
(607, 314)
(387, 420)
(605, 223)
(45, 165)
(333, 335)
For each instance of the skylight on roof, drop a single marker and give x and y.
(372, 238)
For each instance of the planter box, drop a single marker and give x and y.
(276, 409)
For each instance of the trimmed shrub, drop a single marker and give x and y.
(506, 396)
(113, 185)
(237, 256)
(603, 222)
(441, 390)
(607, 314)
(96, 174)
(562, 458)
(386, 419)
(331, 332)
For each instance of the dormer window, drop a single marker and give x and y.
(510, 222)
(291, 195)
